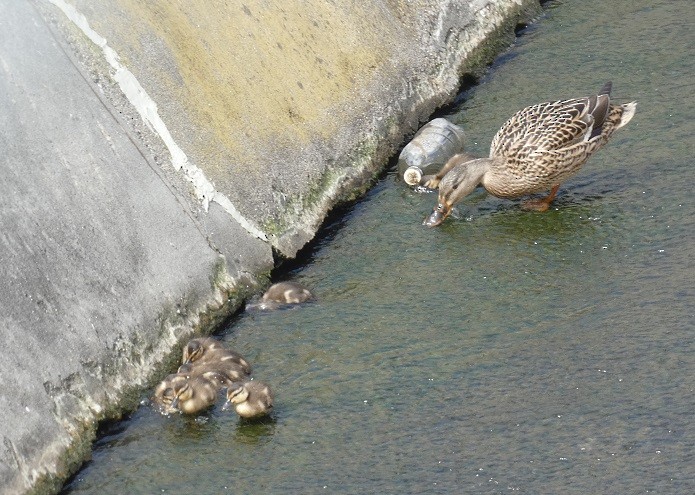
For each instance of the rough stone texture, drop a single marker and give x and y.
(289, 107)
(108, 256)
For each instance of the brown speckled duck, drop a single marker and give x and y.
(536, 150)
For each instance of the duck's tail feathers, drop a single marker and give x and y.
(629, 110)
(606, 89)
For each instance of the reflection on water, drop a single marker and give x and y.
(504, 351)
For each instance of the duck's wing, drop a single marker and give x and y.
(557, 163)
(546, 126)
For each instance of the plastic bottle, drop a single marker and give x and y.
(429, 150)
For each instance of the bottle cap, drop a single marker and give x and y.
(412, 175)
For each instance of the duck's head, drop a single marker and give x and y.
(458, 183)
(193, 351)
(236, 394)
(196, 348)
(441, 211)
(165, 393)
(182, 392)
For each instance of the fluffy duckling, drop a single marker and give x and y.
(224, 371)
(281, 294)
(200, 345)
(193, 394)
(164, 393)
(208, 350)
(250, 399)
(287, 293)
(536, 150)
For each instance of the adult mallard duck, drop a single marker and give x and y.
(536, 150)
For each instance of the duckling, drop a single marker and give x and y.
(287, 293)
(228, 371)
(536, 150)
(208, 350)
(194, 394)
(220, 379)
(280, 294)
(199, 346)
(251, 399)
(164, 393)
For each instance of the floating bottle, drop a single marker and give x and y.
(429, 150)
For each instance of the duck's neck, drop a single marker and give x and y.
(479, 167)
(469, 175)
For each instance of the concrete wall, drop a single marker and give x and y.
(154, 154)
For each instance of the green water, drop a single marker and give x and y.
(506, 351)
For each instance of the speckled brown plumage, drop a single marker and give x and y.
(537, 149)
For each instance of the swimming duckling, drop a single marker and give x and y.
(282, 294)
(287, 293)
(208, 350)
(164, 393)
(536, 150)
(251, 399)
(226, 371)
(194, 394)
(199, 346)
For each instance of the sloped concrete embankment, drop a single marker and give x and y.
(155, 154)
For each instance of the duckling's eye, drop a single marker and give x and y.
(440, 207)
(235, 393)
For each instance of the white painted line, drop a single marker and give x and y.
(147, 109)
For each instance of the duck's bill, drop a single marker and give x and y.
(434, 219)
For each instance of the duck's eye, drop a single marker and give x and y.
(440, 207)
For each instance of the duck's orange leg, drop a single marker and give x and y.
(541, 204)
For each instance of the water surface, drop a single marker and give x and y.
(506, 351)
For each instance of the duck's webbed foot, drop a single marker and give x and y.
(430, 181)
(535, 205)
(541, 204)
